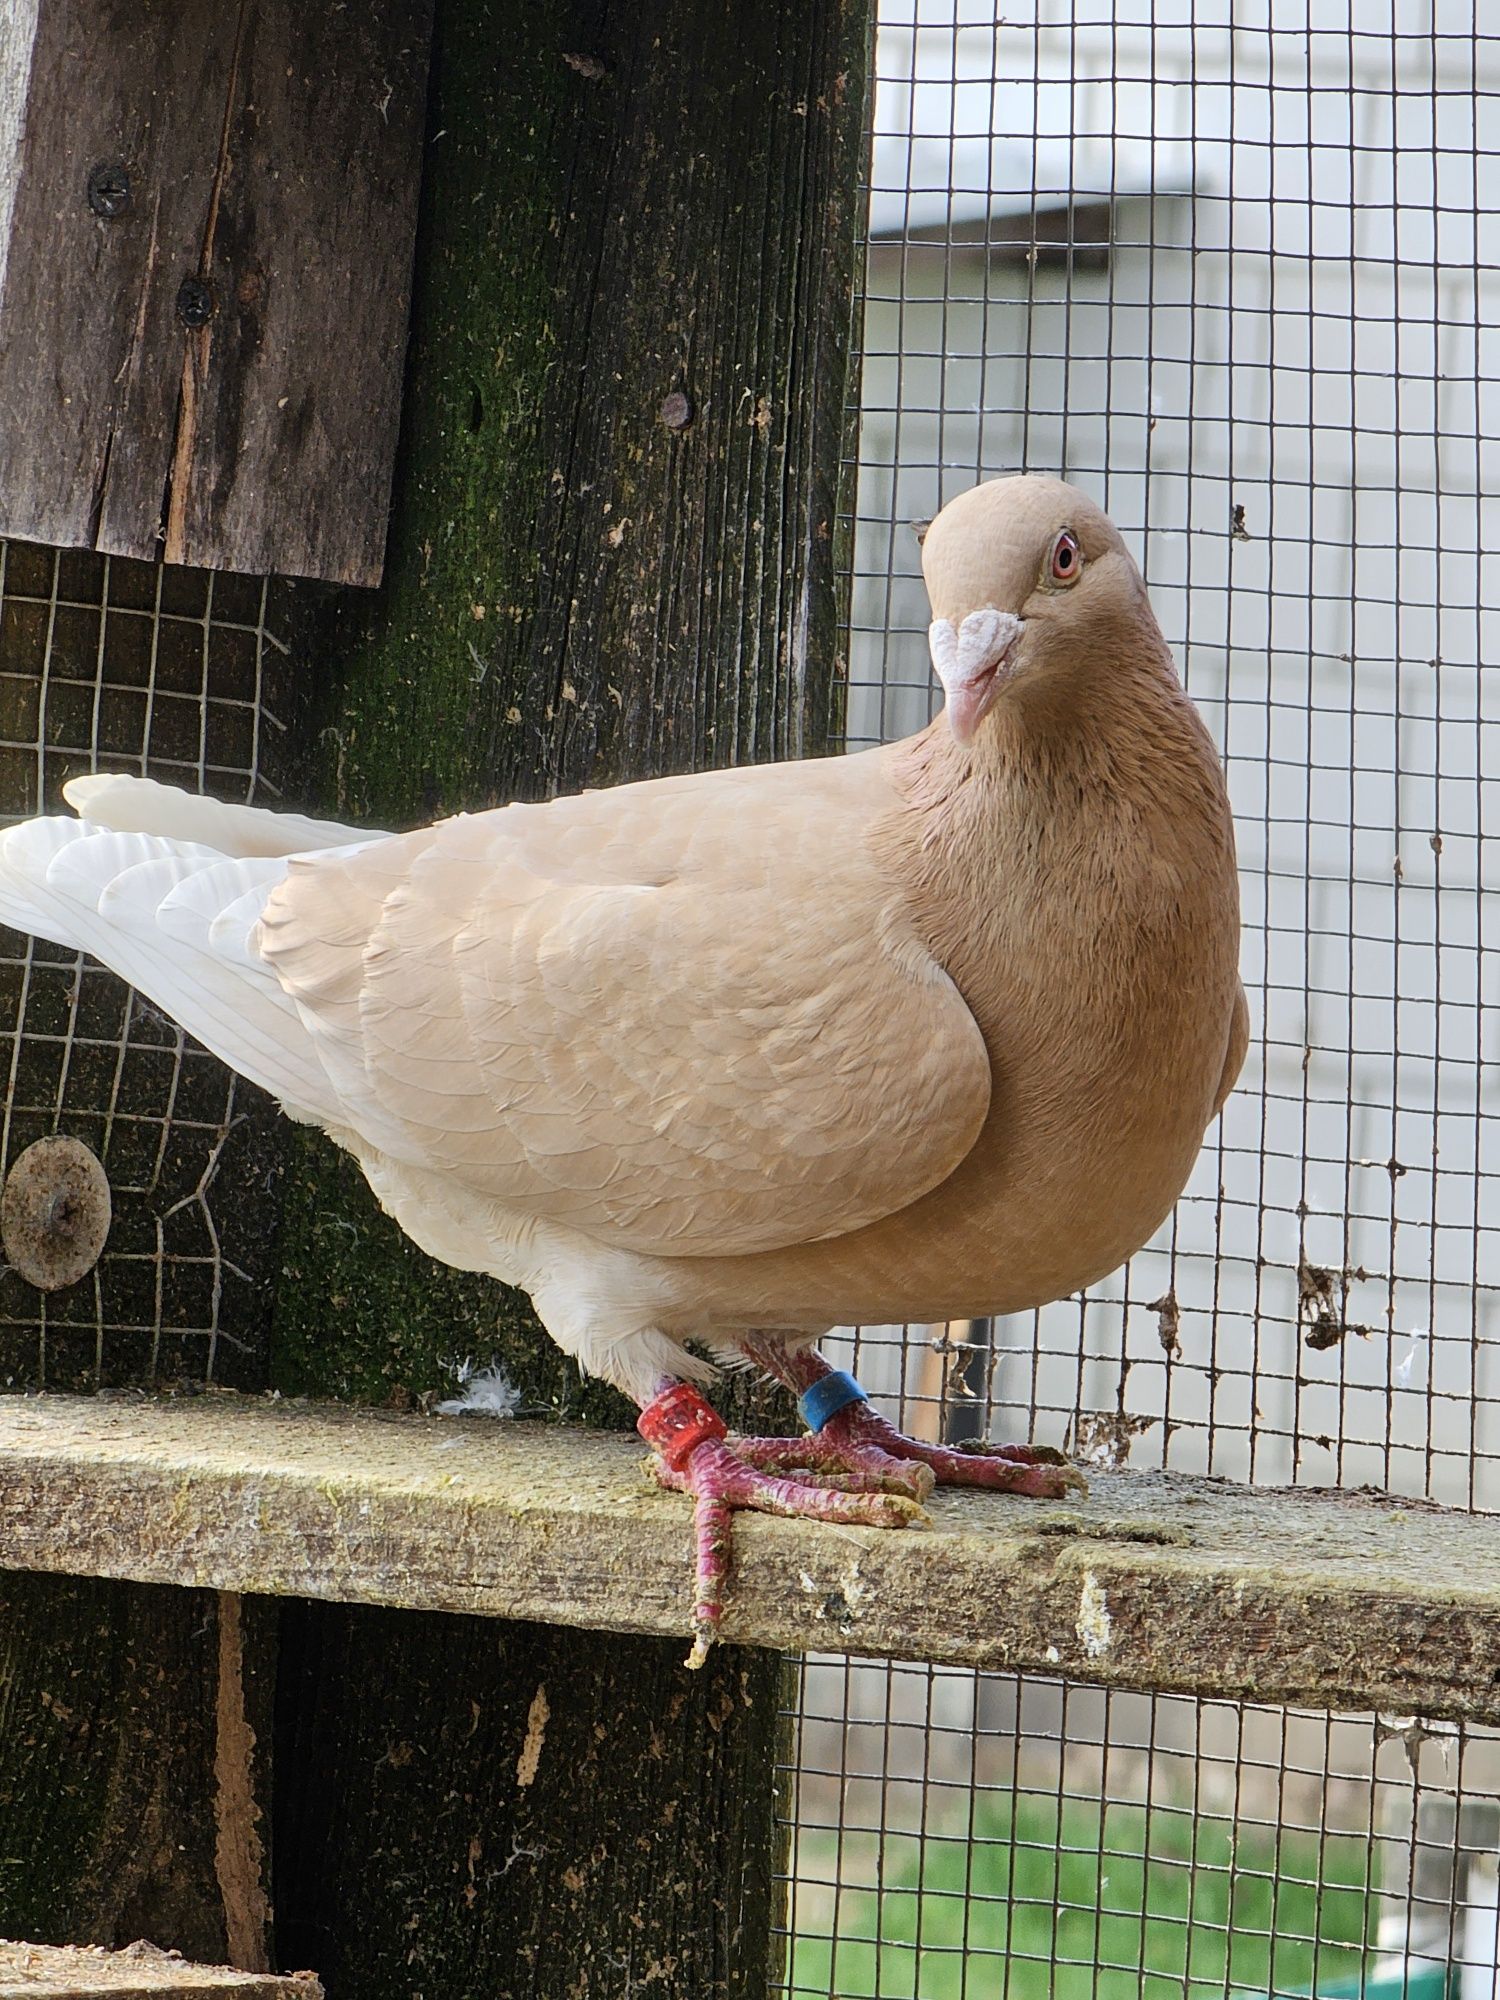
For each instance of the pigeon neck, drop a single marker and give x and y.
(1059, 729)
(1072, 781)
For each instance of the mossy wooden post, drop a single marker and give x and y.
(135, 1729)
(611, 556)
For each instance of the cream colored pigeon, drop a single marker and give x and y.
(924, 1033)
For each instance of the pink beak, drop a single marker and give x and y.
(971, 661)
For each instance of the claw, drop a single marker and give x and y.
(857, 1470)
(721, 1481)
(1022, 1454)
(816, 1460)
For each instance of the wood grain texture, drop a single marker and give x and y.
(291, 394)
(111, 1764)
(17, 43)
(91, 352)
(579, 593)
(140, 1972)
(1156, 1581)
(588, 1818)
(619, 203)
(273, 154)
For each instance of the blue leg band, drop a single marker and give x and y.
(827, 1396)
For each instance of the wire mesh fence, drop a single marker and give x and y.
(1234, 271)
(989, 1834)
(108, 665)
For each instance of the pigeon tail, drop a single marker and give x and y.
(150, 908)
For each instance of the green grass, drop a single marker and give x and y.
(1090, 1903)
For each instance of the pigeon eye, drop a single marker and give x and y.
(1067, 558)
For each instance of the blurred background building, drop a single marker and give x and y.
(1234, 268)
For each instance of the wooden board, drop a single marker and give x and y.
(135, 1738)
(140, 1972)
(620, 205)
(268, 154)
(1156, 1581)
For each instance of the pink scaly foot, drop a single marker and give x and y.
(693, 1457)
(848, 1432)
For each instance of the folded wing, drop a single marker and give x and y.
(686, 1018)
(736, 1053)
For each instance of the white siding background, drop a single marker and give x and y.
(1298, 330)
(1274, 355)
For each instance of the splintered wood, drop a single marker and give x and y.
(206, 225)
(140, 1972)
(1155, 1581)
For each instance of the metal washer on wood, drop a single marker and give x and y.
(55, 1213)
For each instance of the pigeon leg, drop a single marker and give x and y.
(694, 1456)
(846, 1431)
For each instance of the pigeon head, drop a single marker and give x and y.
(1018, 571)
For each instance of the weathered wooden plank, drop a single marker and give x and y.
(590, 1815)
(1156, 1581)
(90, 351)
(621, 205)
(268, 154)
(291, 393)
(134, 1726)
(140, 1972)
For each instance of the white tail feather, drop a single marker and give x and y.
(231, 934)
(146, 905)
(140, 805)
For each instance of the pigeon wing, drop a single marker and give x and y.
(709, 1034)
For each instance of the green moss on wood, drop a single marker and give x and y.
(363, 1315)
(615, 210)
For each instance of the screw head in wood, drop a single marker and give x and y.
(195, 303)
(55, 1213)
(109, 189)
(677, 411)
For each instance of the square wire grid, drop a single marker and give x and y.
(1236, 272)
(178, 674)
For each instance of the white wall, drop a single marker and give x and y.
(1313, 334)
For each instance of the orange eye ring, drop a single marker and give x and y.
(1067, 558)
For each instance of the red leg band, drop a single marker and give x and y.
(677, 1421)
